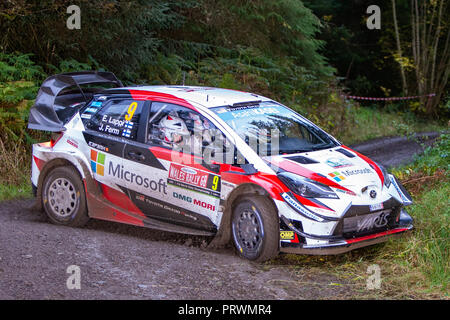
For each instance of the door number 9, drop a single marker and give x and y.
(131, 111)
(215, 183)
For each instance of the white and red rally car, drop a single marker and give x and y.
(206, 161)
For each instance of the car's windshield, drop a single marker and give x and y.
(277, 128)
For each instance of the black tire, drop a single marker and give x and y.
(64, 198)
(255, 228)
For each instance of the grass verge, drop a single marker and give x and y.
(15, 170)
(12, 192)
(371, 122)
(413, 266)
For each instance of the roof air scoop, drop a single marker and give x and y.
(302, 160)
(345, 153)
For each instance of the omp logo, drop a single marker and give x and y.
(287, 235)
(336, 176)
(98, 162)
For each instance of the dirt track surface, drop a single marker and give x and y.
(395, 151)
(124, 262)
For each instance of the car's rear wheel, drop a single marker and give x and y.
(255, 228)
(63, 197)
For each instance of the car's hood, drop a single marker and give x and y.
(358, 182)
(340, 168)
(339, 165)
(356, 179)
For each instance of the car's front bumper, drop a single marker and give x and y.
(345, 245)
(335, 244)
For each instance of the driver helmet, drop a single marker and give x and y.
(173, 129)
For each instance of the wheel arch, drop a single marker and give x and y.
(223, 235)
(79, 166)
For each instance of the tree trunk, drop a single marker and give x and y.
(399, 49)
(432, 70)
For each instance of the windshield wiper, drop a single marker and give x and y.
(310, 149)
(290, 151)
(320, 148)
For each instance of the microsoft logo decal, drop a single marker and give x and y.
(336, 176)
(98, 162)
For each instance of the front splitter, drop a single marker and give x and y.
(346, 245)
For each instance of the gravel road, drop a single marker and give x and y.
(125, 262)
(395, 151)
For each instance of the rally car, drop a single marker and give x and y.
(236, 166)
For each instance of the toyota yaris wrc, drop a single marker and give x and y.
(206, 161)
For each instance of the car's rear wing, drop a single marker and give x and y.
(54, 106)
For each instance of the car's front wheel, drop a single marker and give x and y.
(255, 228)
(63, 197)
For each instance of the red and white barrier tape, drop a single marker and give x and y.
(387, 99)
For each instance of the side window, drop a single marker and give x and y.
(182, 129)
(115, 117)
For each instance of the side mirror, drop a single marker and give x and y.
(214, 167)
(249, 168)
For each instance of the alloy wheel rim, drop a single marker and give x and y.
(62, 197)
(248, 230)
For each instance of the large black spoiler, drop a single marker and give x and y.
(49, 111)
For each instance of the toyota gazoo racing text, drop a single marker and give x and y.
(206, 161)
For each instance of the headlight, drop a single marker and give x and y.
(387, 180)
(306, 188)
